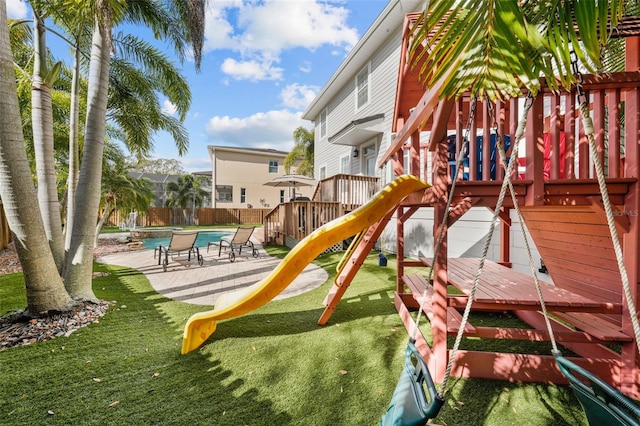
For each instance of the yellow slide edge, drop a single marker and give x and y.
(229, 305)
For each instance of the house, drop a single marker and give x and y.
(159, 183)
(353, 112)
(353, 118)
(239, 176)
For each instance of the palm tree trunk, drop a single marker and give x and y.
(42, 123)
(45, 290)
(107, 211)
(74, 160)
(79, 264)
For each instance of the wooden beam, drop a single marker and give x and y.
(424, 109)
(440, 123)
(460, 209)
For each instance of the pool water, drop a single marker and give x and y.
(204, 238)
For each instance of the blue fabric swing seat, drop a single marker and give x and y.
(602, 403)
(415, 399)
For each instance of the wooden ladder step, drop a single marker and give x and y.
(416, 283)
(454, 319)
(595, 325)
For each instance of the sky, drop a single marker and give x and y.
(263, 63)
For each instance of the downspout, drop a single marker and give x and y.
(213, 177)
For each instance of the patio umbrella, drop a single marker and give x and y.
(291, 180)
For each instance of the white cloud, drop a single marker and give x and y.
(258, 31)
(277, 25)
(16, 9)
(273, 129)
(298, 96)
(305, 67)
(168, 107)
(251, 70)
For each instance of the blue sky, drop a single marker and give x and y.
(263, 63)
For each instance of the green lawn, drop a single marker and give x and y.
(275, 366)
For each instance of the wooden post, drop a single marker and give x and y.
(569, 135)
(414, 154)
(534, 134)
(440, 277)
(473, 145)
(486, 141)
(613, 130)
(554, 133)
(399, 249)
(598, 124)
(630, 374)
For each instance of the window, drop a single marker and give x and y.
(224, 193)
(243, 195)
(362, 87)
(273, 166)
(344, 164)
(323, 123)
(282, 196)
(323, 172)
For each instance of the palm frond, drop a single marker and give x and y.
(499, 47)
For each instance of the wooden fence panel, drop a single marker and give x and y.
(158, 216)
(5, 233)
(165, 216)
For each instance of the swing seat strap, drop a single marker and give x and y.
(602, 403)
(415, 399)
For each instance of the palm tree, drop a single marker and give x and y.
(120, 191)
(498, 47)
(44, 75)
(106, 13)
(186, 191)
(302, 151)
(45, 289)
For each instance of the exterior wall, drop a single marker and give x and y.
(159, 185)
(342, 111)
(467, 238)
(240, 168)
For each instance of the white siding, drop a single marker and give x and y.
(341, 109)
(467, 238)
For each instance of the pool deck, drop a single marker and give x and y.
(201, 285)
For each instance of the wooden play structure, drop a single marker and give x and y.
(556, 188)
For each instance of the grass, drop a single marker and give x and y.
(274, 366)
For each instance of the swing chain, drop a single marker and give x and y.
(575, 68)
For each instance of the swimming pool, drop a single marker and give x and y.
(204, 238)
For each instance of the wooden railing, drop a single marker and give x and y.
(297, 219)
(351, 191)
(555, 146)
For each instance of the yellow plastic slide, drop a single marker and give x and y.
(229, 305)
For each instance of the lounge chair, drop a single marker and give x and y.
(241, 239)
(181, 241)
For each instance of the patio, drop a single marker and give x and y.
(201, 285)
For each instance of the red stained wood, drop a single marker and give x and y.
(575, 244)
(500, 285)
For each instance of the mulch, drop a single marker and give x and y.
(18, 329)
